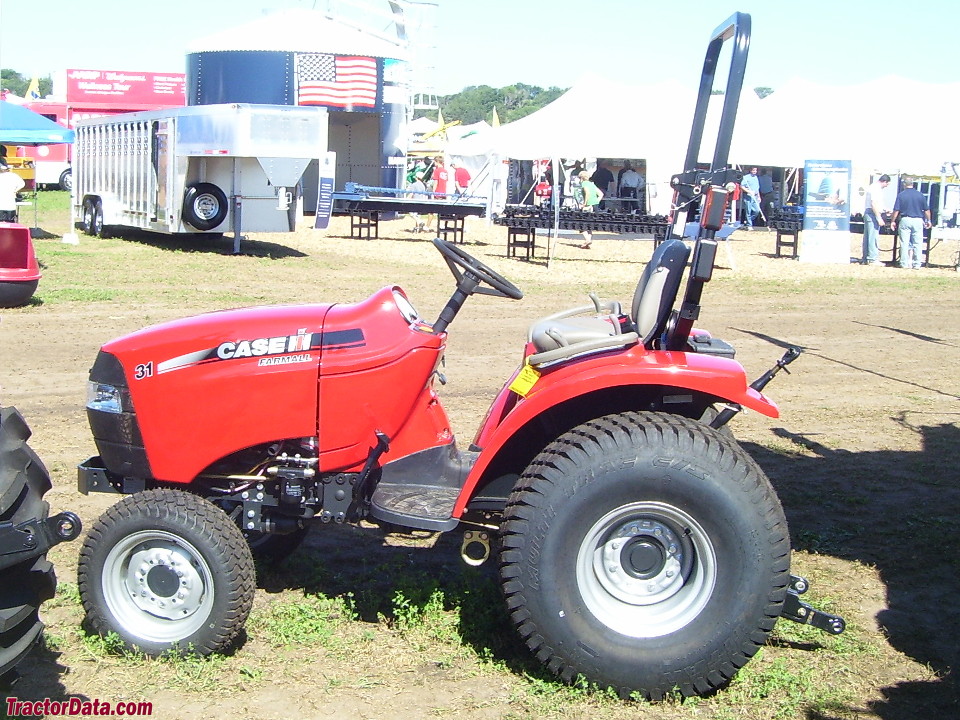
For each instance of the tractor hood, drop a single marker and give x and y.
(171, 399)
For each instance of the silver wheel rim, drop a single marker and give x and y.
(646, 569)
(206, 206)
(157, 586)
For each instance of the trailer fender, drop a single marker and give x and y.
(509, 413)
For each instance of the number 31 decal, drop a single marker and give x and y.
(143, 371)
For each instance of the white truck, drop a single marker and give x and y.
(204, 169)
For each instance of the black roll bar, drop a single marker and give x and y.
(692, 184)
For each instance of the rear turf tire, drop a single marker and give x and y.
(646, 553)
(167, 570)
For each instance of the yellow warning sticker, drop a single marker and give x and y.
(525, 380)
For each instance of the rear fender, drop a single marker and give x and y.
(600, 385)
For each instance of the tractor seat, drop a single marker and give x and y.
(571, 332)
(572, 326)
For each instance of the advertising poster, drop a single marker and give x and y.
(826, 219)
(126, 87)
(328, 169)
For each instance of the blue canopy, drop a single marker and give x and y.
(20, 126)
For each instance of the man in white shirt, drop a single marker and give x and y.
(873, 219)
(631, 183)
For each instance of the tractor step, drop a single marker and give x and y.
(425, 507)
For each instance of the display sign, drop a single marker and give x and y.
(328, 168)
(125, 87)
(826, 218)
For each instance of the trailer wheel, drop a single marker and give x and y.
(66, 180)
(644, 552)
(166, 570)
(97, 227)
(204, 206)
(24, 585)
(86, 217)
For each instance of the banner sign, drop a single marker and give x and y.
(826, 218)
(122, 87)
(328, 171)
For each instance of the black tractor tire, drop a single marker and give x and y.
(644, 552)
(204, 206)
(25, 585)
(167, 571)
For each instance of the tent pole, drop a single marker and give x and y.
(556, 197)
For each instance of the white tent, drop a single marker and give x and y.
(599, 118)
(890, 124)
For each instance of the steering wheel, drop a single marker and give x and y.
(458, 259)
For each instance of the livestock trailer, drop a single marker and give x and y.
(205, 169)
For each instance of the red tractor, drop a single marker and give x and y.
(639, 546)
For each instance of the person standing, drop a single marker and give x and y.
(602, 177)
(10, 185)
(631, 183)
(766, 196)
(440, 177)
(751, 197)
(461, 178)
(417, 188)
(913, 212)
(592, 196)
(873, 219)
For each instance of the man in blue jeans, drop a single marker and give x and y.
(751, 196)
(873, 220)
(913, 212)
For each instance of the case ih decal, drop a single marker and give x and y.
(278, 350)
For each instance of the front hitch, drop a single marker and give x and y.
(725, 415)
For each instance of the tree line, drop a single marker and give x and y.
(477, 102)
(17, 84)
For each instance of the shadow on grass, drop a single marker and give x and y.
(898, 511)
(337, 560)
(37, 677)
(212, 243)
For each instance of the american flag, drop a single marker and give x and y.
(340, 81)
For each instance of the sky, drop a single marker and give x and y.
(536, 42)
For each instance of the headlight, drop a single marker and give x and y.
(406, 307)
(103, 397)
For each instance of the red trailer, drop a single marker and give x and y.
(97, 93)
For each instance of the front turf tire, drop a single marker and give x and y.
(644, 552)
(167, 570)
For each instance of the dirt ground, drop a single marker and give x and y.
(864, 457)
